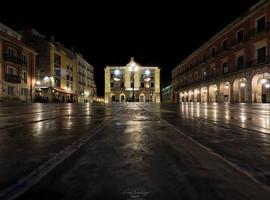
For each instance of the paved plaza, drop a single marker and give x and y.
(135, 151)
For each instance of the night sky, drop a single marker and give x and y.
(109, 33)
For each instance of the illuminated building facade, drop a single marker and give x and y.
(86, 86)
(132, 82)
(17, 67)
(62, 75)
(233, 66)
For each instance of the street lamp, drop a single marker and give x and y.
(133, 67)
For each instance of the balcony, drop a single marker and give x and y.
(81, 83)
(11, 78)
(12, 58)
(82, 74)
(257, 33)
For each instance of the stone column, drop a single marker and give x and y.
(249, 91)
(231, 98)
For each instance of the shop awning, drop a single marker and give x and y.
(64, 91)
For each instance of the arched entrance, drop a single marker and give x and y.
(113, 98)
(261, 88)
(240, 88)
(190, 96)
(225, 92)
(197, 97)
(122, 98)
(204, 94)
(180, 97)
(142, 98)
(186, 97)
(213, 93)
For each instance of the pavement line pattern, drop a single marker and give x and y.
(207, 149)
(15, 190)
(31, 179)
(28, 122)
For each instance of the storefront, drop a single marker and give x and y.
(53, 94)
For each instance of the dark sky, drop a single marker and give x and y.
(110, 32)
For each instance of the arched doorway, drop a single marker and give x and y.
(213, 93)
(225, 92)
(186, 96)
(190, 96)
(240, 88)
(122, 98)
(261, 88)
(180, 97)
(197, 97)
(113, 98)
(142, 98)
(204, 94)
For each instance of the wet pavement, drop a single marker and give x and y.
(134, 151)
(238, 132)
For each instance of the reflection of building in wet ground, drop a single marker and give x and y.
(233, 66)
(132, 82)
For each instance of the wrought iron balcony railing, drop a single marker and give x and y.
(11, 58)
(13, 78)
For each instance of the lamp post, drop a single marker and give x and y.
(133, 67)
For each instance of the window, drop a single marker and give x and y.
(11, 70)
(225, 68)
(213, 52)
(24, 59)
(261, 55)
(11, 90)
(112, 85)
(142, 84)
(240, 62)
(152, 85)
(240, 36)
(57, 81)
(196, 76)
(122, 84)
(67, 77)
(57, 59)
(224, 45)
(132, 84)
(24, 77)
(203, 57)
(24, 91)
(204, 75)
(57, 71)
(261, 24)
(111, 75)
(213, 71)
(12, 52)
